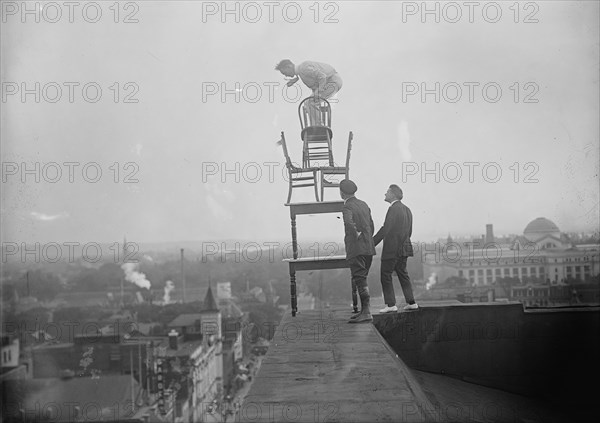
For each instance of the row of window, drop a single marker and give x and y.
(506, 272)
(6, 356)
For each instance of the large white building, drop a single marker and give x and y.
(542, 254)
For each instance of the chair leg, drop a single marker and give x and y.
(330, 150)
(322, 189)
(316, 187)
(290, 189)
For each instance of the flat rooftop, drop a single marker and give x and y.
(321, 368)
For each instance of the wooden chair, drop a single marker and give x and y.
(316, 133)
(336, 170)
(299, 176)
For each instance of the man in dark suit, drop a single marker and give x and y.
(396, 233)
(359, 228)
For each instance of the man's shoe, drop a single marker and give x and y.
(362, 318)
(355, 315)
(413, 306)
(387, 309)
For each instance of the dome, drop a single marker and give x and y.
(539, 227)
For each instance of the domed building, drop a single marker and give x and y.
(544, 234)
(541, 257)
(540, 228)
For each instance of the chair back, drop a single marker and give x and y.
(319, 116)
(288, 161)
(348, 151)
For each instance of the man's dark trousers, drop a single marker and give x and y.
(398, 265)
(359, 269)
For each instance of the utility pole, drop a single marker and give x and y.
(122, 276)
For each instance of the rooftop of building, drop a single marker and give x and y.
(105, 398)
(540, 225)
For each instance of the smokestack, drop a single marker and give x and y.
(182, 275)
(173, 339)
(123, 277)
(489, 234)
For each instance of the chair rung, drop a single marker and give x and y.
(302, 185)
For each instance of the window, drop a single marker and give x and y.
(523, 271)
(460, 273)
(541, 269)
(506, 271)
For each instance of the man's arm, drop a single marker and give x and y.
(349, 224)
(292, 81)
(385, 229)
(322, 80)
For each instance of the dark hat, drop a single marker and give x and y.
(348, 187)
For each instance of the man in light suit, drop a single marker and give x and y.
(396, 233)
(359, 228)
(321, 78)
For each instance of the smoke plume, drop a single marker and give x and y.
(168, 288)
(432, 281)
(133, 276)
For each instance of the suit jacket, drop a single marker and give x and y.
(357, 218)
(396, 232)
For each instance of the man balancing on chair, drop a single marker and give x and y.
(321, 78)
(360, 249)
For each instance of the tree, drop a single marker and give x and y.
(39, 284)
(455, 282)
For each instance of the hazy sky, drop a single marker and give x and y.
(179, 52)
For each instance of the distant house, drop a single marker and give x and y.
(11, 367)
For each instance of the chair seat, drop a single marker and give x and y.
(333, 169)
(316, 133)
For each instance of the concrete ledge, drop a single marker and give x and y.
(550, 354)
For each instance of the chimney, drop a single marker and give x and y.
(173, 339)
(489, 234)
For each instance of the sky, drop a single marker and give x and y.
(141, 102)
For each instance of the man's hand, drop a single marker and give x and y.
(292, 81)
